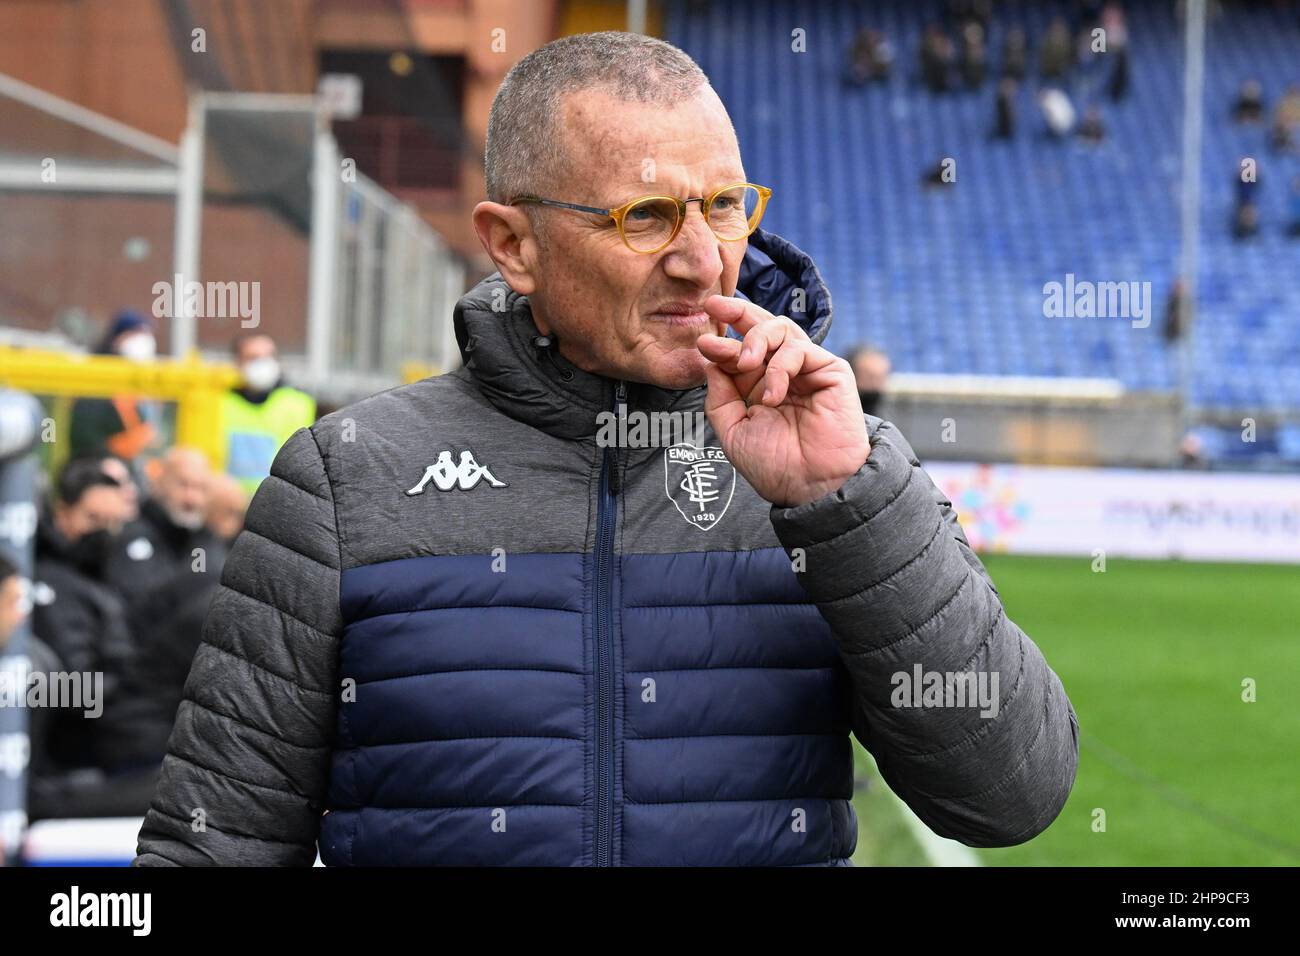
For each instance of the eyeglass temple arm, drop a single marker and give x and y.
(562, 205)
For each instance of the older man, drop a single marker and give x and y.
(461, 628)
(170, 536)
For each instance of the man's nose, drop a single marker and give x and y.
(694, 254)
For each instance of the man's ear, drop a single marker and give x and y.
(507, 236)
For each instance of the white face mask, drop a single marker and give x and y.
(138, 348)
(261, 374)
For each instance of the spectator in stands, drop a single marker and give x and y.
(1245, 214)
(260, 415)
(1004, 126)
(871, 58)
(1286, 120)
(171, 532)
(1015, 54)
(871, 368)
(226, 508)
(976, 11)
(936, 59)
(74, 612)
(1249, 107)
(1176, 311)
(974, 56)
(1191, 452)
(1116, 33)
(1245, 221)
(124, 425)
(1057, 51)
(1093, 128)
(1294, 229)
(1058, 112)
(939, 175)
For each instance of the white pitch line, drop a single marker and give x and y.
(940, 851)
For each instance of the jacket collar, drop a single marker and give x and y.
(530, 381)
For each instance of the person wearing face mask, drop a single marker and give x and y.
(80, 618)
(871, 369)
(260, 414)
(124, 426)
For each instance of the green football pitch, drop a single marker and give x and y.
(1175, 768)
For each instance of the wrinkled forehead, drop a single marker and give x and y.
(616, 150)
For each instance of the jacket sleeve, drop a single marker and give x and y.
(247, 763)
(893, 574)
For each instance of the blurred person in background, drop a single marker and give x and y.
(1245, 190)
(1056, 54)
(1116, 27)
(936, 59)
(1015, 55)
(171, 526)
(75, 613)
(974, 56)
(116, 469)
(1175, 311)
(1245, 221)
(125, 425)
(1093, 127)
(13, 606)
(939, 175)
(1249, 107)
(1286, 120)
(870, 58)
(53, 789)
(871, 368)
(1004, 126)
(262, 412)
(1245, 211)
(227, 506)
(166, 567)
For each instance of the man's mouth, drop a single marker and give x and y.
(680, 313)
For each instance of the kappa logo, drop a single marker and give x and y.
(446, 475)
(700, 482)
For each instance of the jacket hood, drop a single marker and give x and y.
(522, 373)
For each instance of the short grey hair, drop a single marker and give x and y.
(525, 144)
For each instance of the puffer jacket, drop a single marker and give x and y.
(458, 630)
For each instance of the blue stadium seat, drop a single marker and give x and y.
(950, 280)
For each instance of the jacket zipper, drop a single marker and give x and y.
(606, 515)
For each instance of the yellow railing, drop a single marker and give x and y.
(195, 387)
(415, 371)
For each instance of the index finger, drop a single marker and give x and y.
(737, 313)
